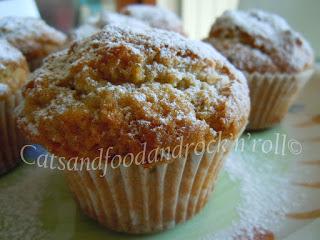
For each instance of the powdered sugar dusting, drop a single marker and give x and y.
(4, 88)
(20, 206)
(8, 53)
(119, 35)
(266, 196)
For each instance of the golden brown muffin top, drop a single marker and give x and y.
(124, 87)
(13, 66)
(155, 16)
(95, 24)
(257, 41)
(32, 36)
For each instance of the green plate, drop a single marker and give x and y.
(269, 188)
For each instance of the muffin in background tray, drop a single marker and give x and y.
(32, 36)
(155, 16)
(13, 75)
(97, 23)
(276, 60)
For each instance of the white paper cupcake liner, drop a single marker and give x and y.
(271, 96)
(142, 200)
(10, 139)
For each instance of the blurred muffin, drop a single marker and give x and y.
(83, 31)
(13, 74)
(32, 36)
(95, 24)
(276, 60)
(139, 90)
(155, 16)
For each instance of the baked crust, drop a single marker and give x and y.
(257, 41)
(155, 16)
(124, 87)
(32, 36)
(13, 67)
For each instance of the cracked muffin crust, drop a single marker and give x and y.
(124, 87)
(155, 16)
(257, 41)
(13, 67)
(32, 36)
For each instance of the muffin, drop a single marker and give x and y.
(95, 24)
(13, 74)
(32, 36)
(82, 32)
(155, 16)
(173, 104)
(276, 60)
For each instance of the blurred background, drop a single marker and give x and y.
(197, 15)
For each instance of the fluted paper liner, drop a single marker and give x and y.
(271, 96)
(10, 139)
(142, 200)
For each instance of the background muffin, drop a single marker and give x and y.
(271, 54)
(95, 24)
(155, 16)
(32, 36)
(138, 90)
(13, 74)
(82, 32)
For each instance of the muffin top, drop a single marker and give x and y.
(130, 90)
(32, 36)
(13, 67)
(257, 41)
(95, 24)
(155, 16)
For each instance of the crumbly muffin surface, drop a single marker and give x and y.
(155, 16)
(32, 36)
(257, 41)
(125, 87)
(13, 66)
